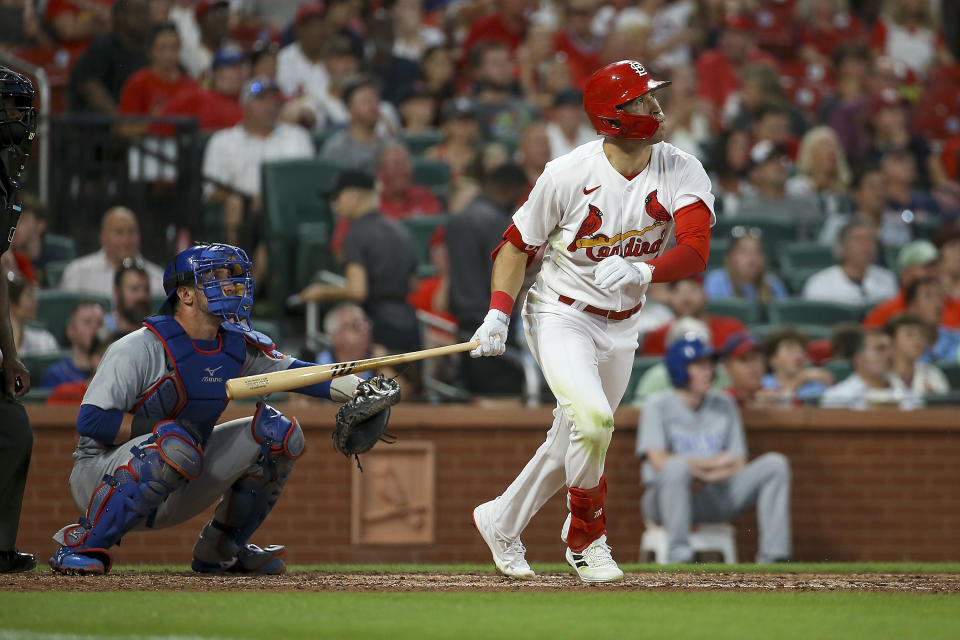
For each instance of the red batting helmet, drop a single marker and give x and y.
(612, 86)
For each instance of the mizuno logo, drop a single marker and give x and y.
(587, 192)
(210, 375)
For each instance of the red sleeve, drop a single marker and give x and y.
(131, 98)
(512, 235)
(690, 255)
(878, 39)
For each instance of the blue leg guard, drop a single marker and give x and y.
(160, 465)
(223, 542)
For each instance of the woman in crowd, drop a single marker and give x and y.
(822, 172)
(30, 340)
(744, 273)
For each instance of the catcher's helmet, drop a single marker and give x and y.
(612, 86)
(683, 352)
(221, 271)
(18, 117)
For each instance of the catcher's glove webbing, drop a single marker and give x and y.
(362, 421)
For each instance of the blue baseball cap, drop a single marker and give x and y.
(227, 55)
(258, 87)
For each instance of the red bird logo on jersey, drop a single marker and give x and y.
(654, 209)
(588, 227)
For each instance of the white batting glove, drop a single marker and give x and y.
(614, 273)
(492, 335)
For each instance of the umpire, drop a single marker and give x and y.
(18, 126)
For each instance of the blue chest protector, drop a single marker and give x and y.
(195, 388)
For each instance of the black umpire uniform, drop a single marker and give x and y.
(17, 129)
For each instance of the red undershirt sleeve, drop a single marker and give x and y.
(513, 236)
(690, 255)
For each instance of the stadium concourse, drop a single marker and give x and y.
(829, 131)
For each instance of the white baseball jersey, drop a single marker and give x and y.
(584, 210)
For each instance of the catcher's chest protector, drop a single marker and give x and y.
(195, 389)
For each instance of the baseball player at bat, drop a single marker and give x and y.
(151, 453)
(605, 213)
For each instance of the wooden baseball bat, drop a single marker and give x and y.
(289, 379)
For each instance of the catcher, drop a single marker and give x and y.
(150, 455)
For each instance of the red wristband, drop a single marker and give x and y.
(501, 301)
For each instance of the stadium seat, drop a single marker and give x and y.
(813, 331)
(719, 537)
(774, 233)
(60, 247)
(434, 174)
(640, 367)
(718, 251)
(54, 306)
(417, 143)
(268, 327)
(156, 300)
(952, 371)
(813, 312)
(795, 279)
(53, 273)
(38, 364)
(744, 310)
(805, 255)
(421, 229)
(840, 368)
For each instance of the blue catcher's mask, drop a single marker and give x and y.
(221, 271)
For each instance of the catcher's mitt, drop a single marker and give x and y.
(362, 421)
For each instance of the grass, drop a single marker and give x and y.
(562, 567)
(597, 614)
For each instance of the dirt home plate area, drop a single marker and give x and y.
(306, 581)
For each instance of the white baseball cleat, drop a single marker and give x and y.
(595, 564)
(508, 555)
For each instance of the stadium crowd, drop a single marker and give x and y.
(830, 130)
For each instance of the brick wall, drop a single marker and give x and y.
(875, 485)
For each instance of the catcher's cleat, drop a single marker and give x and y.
(508, 555)
(251, 559)
(595, 564)
(15, 562)
(70, 562)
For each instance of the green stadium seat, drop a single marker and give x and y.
(640, 366)
(718, 251)
(812, 331)
(795, 279)
(60, 247)
(421, 229)
(268, 327)
(746, 311)
(38, 364)
(805, 255)
(797, 311)
(53, 273)
(839, 367)
(434, 174)
(924, 229)
(157, 300)
(774, 233)
(313, 252)
(952, 371)
(54, 306)
(417, 143)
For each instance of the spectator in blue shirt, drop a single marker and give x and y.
(744, 273)
(790, 375)
(84, 322)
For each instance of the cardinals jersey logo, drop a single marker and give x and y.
(654, 209)
(589, 226)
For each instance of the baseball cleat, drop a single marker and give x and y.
(595, 564)
(15, 562)
(508, 555)
(251, 559)
(70, 563)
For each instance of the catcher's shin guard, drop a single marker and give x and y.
(223, 542)
(159, 466)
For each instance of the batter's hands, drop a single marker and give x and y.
(16, 378)
(614, 273)
(492, 335)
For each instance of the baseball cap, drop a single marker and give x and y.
(309, 10)
(739, 344)
(205, 6)
(568, 98)
(916, 253)
(349, 179)
(257, 87)
(227, 55)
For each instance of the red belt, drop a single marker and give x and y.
(609, 315)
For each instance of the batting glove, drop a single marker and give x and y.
(492, 335)
(614, 273)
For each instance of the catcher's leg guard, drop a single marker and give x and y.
(223, 542)
(160, 465)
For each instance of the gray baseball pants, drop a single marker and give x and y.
(672, 503)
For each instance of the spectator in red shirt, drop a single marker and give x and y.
(507, 24)
(147, 90)
(718, 68)
(219, 106)
(917, 260)
(433, 292)
(687, 300)
(575, 39)
(824, 26)
(948, 242)
(400, 198)
(76, 22)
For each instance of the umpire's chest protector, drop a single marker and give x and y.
(195, 388)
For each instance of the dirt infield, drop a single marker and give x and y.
(372, 582)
